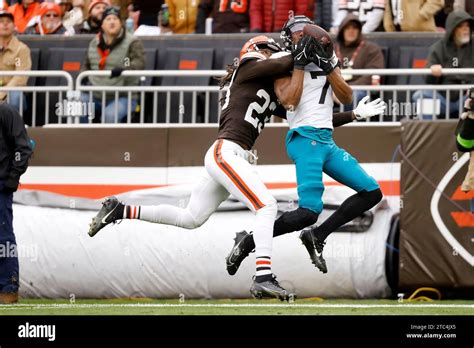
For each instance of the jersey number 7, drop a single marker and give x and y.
(324, 92)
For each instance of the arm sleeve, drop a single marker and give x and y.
(137, 56)
(21, 148)
(254, 69)
(280, 111)
(373, 21)
(256, 15)
(465, 135)
(342, 118)
(22, 63)
(430, 8)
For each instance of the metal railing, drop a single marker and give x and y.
(409, 108)
(35, 90)
(200, 104)
(400, 100)
(155, 91)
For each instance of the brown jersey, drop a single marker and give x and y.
(251, 100)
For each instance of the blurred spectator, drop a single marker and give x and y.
(14, 55)
(370, 13)
(440, 16)
(148, 11)
(74, 15)
(49, 22)
(151, 30)
(466, 5)
(64, 5)
(182, 15)
(227, 17)
(269, 15)
(92, 24)
(455, 50)
(134, 14)
(15, 151)
(354, 51)
(411, 15)
(23, 13)
(117, 50)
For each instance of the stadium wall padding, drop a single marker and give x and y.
(139, 259)
(157, 146)
(437, 224)
(74, 167)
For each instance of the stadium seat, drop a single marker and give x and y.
(412, 57)
(151, 58)
(35, 60)
(230, 53)
(66, 59)
(185, 59)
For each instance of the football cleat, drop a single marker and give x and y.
(315, 249)
(111, 211)
(269, 289)
(243, 246)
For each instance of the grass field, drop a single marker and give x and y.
(236, 307)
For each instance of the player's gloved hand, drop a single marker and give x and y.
(303, 52)
(325, 58)
(367, 109)
(10, 185)
(116, 72)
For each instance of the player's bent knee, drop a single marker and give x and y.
(270, 207)
(298, 219)
(307, 217)
(373, 197)
(191, 222)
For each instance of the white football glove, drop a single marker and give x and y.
(366, 109)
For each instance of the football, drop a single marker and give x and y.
(321, 35)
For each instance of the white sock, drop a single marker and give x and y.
(263, 237)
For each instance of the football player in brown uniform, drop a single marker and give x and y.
(311, 147)
(249, 103)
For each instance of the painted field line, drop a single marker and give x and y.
(243, 305)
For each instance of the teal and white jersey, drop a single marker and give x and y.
(316, 103)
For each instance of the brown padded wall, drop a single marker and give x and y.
(186, 146)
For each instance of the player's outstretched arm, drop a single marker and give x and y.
(340, 87)
(289, 89)
(364, 110)
(326, 59)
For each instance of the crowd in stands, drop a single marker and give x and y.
(117, 23)
(229, 16)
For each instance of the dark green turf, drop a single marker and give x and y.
(287, 309)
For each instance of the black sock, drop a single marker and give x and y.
(291, 221)
(351, 208)
(263, 278)
(294, 220)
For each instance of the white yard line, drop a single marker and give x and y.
(263, 305)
